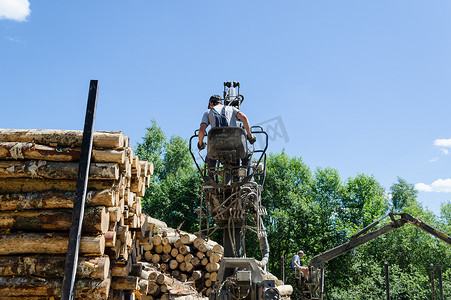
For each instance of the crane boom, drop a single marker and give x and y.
(360, 238)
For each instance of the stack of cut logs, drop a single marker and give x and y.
(38, 172)
(184, 256)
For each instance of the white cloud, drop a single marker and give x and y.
(438, 186)
(444, 151)
(16, 10)
(443, 143)
(433, 159)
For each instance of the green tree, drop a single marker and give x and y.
(401, 194)
(174, 190)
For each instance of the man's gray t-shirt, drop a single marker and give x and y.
(230, 113)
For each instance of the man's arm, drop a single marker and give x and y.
(242, 117)
(202, 128)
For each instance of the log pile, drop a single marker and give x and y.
(38, 172)
(182, 256)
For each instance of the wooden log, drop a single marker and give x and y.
(208, 283)
(56, 170)
(54, 200)
(212, 267)
(169, 240)
(167, 249)
(64, 138)
(218, 249)
(200, 255)
(158, 249)
(187, 238)
(125, 283)
(114, 252)
(204, 261)
(204, 247)
(164, 279)
(31, 151)
(166, 257)
(154, 288)
(173, 264)
(188, 257)
(178, 243)
(156, 258)
(115, 214)
(96, 219)
(144, 167)
(156, 240)
(180, 258)
(182, 266)
(213, 276)
(285, 290)
(185, 249)
(56, 243)
(174, 252)
(147, 246)
(155, 224)
(164, 267)
(198, 274)
(196, 262)
(143, 286)
(150, 168)
(40, 287)
(215, 258)
(148, 255)
(53, 266)
(189, 267)
(120, 267)
(20, 185)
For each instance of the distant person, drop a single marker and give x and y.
(296, 263)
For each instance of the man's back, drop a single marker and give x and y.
(214, 115)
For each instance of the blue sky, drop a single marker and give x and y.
(359, 86)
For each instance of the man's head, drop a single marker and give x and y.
(301, 253)
(214, 100)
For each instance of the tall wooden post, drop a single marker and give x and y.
(432, 282)
(387, 281)
(440, 283)
(80, 195)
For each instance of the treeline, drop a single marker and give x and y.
(314, 211)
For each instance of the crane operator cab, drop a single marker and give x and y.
(233, 173)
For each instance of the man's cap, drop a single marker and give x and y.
(300, 251)
(215, 98)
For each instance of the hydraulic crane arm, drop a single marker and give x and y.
(357, 239)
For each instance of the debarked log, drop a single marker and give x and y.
(55, 200)
(56, 170)
(13, 185)
(18, 150)
(25, 286)
(96, 219)
(63, 138)
(48, 243)
(47, 266)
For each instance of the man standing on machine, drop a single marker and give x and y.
(219, 115)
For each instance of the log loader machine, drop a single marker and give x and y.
(233, 204)
(314, 288)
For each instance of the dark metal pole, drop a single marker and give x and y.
(322, 283)
(440, 283)
(80, 195)
(387, 281)
(432, 282)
